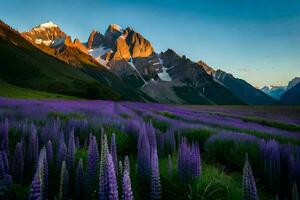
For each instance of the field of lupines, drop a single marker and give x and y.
(70, 149)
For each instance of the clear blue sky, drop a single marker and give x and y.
(257, 40)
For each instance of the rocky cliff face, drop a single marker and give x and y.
(121, 48)
(112, 33)
(181, 68)
(139, 47)
(96, 39)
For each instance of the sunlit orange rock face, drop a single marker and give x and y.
(121, 48)
(80, 46)
(139, 46)
(45, 33)
(132, 45)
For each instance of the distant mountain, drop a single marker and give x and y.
(24, 64)
(293, 82)
(277, 91)
(274, 91)
(243, 90)
(292, 96)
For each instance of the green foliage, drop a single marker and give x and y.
(20, 192)
(232, 153)
(199, 135)
(65, 116)
(213, 183)
(275, 124)
(160, 125)
(125, 143)
(12, 91)
(169, 115)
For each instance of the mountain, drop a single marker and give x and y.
(24, 64)
(277, 91)
(292, 96)
(243, 90)
(274, 91)
(193, 84)
(119, 64)
(46, 33)
(293, 82)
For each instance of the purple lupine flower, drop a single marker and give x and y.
(126, 186)
(71, 151)
(92, 167)
(188, 160)
(35, 193)
(150, 130)
(39, 185)
(49, 150)
(42, 168)
(18, 164)
(103, 182)
(4, 160)
(167, 144)
(4, 144)
(79, 182)
(249, 184)
(112, 180)
(62, 152)
(113, 151)
(295, 195)
(3, 171)
(271, 153)
(155, 179)
(108, 187)
(143, 157)
(64, 182)
(170, 165)
(195, 160)
(33, 149)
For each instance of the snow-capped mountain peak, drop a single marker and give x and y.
(116, 27)
(49, 24)
(46, 33)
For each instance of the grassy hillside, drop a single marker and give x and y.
(9, 90)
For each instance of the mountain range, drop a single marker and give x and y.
(285, 94)
(119, 64)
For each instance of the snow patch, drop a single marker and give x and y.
(48, 25)
(133, 66)
(40, 41)
(98, 52)
(164, 75)
(58, 42)
(116, 27)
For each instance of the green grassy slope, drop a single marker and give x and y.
(12, 91)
